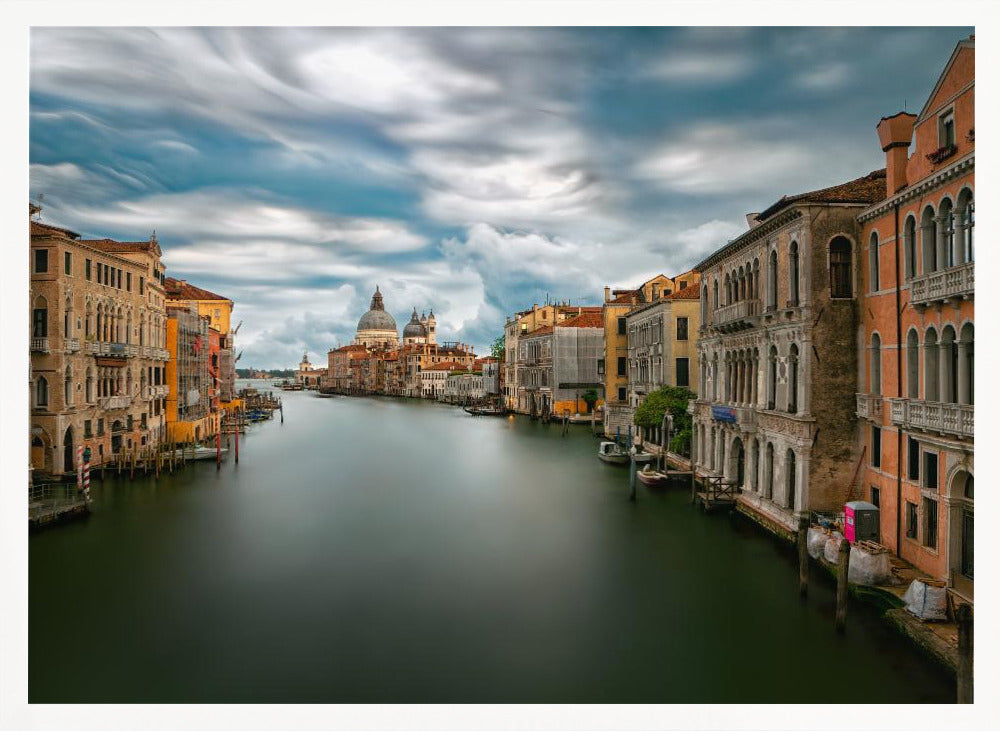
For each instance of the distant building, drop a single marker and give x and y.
(377, 328)
(190, 417)
(218, 310)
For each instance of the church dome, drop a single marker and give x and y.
(414, 328)
(376, 318)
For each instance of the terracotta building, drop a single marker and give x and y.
(97, 347)
(778, 356)
(916, 377)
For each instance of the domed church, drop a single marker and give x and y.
(377, 328)
(420, 330)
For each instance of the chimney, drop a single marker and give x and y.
(607, 294)
(752, 219)
(894, 134)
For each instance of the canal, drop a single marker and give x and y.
(377, 550)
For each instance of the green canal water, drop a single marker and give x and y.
(375, 550)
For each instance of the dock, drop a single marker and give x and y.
(717, 493)
(54, 503)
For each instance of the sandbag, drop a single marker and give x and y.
(926, 602)
(869, 569)
(815, 542)
(832, 547)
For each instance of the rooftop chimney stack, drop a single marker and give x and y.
(895, 134)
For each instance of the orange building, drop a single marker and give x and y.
(915, 395)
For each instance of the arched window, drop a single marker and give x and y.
(772, 377)
(840, 268)
(930, 365)
(910, 247)
(88, 326)
(756, 279)
(966, 363)
(966, 223)
(793, 380)
(755, 457)
(729, 290)
(743, 284)
(40, 318)
(68, 387)
(769, 472)
(41, 392)
(68, 319)
(89, 392)
(873, 273)
(790, 479)
(912, 365)
(704, 308)
(948, 365)
(928, 242)
(947, 244)
(875, 368)
(716, 289)
(793, 274)
(772, 280)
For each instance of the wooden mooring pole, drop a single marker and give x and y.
(843, 567)
(237, 460)
(963, 615)
(631, 480)
(803, 538)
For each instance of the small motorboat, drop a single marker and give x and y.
(197, 453)
(612, 453)
(584, 418)
(641, 457)
(651, 478)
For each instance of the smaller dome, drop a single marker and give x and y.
(414, 328)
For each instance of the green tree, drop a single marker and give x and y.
(497, 348)
(590, 398)
(649, 415)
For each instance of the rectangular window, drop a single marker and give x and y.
(682, 328)
(911, 519)
(621, 394)
(67, 263)
(946, 129)
(930, 522)
(876, 496)
(119, 279)
(100, 427)
(41, 261)
(930, 470)
(87, 429)
(622, 366)
(128, 281)
(86, 269)
(142, 285)
(684, 285)
(913, 459)
(621, 325)
(682, 373)
(876, 446)
(600, 366)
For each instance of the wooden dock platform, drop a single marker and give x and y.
(55, 503)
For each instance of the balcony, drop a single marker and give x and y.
(956, 283)
(93, 348)
(738, 316)
(114, 402)
(932, 416)
(151, 392)
(71, 345)
(869, 406)
(39, 345)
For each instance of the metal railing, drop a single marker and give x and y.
(944, 418)
(869, 406)
(957, 282)
(52, 497)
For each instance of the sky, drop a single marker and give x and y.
(472, 171)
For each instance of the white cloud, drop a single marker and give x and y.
(701, 67)
(824, 78)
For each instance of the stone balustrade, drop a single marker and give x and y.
(39, 345)
(737, 315)
(933, 416)
(953, 283)
(869, 406)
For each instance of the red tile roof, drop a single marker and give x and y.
(448, 365)
(178, 289)
(867, 189)
(122, 247)
(543, 330)
(690, 292)
(625, 298)
(587, 319)
(44, 229)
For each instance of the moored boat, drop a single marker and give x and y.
(583, 418)
(612, 453)
(198, 453)
(641, 457)
(651, 478)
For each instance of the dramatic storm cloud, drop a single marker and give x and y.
(473, 171)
